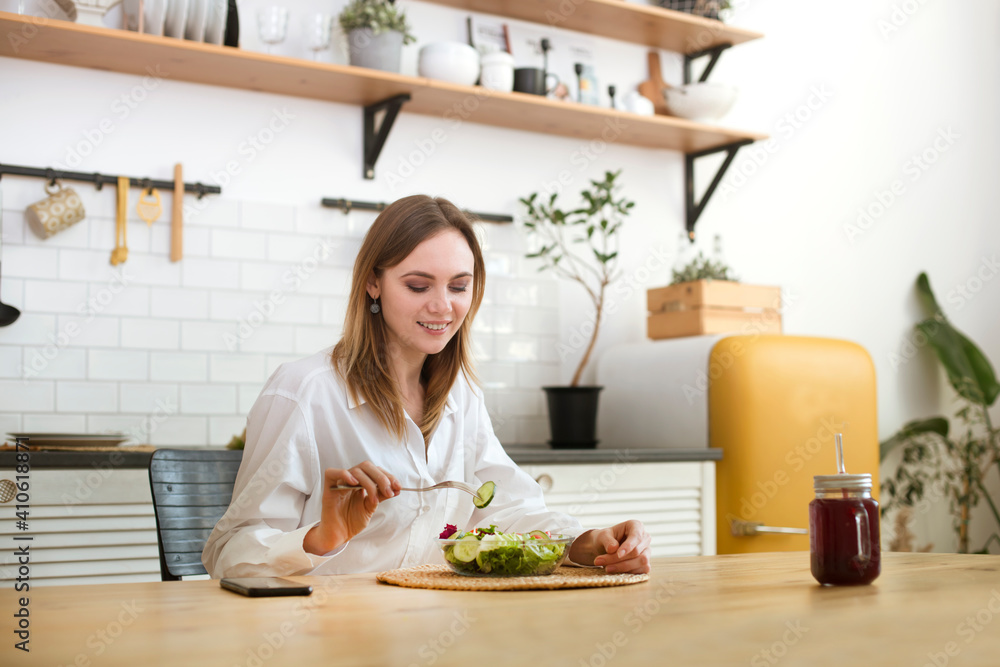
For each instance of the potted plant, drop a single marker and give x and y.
(935, 464)
(704, 297)
(376, 32)
(578, 244)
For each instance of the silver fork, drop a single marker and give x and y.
(461, 486)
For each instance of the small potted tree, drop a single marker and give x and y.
(376, 32)
(580, 245)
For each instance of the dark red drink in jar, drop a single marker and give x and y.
(844, 530)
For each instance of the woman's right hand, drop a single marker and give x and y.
(346, 512)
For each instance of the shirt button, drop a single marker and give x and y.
(425, 508)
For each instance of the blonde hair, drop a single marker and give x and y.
(361, 356)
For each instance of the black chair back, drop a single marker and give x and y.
(191, 491)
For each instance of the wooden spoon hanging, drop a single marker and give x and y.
(654, 88)
(120, 253)
(177, 216)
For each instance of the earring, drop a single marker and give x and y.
(374, 307)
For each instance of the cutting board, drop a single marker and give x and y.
(655, 86)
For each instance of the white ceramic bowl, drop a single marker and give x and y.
(449, 61)
(700, 101)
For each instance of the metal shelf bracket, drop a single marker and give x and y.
(713, 54)
(375, 139)
(692, 210)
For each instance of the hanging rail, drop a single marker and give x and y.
(99, 180)
(346, 205)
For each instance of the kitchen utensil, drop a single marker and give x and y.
(149, 209)
(272, 22)
(461, 486)
(453, 62)
(655, 86)
(61, 209)
(706, 100)
(7, 313)
(119, 255)
(318, 29)
(177, 219)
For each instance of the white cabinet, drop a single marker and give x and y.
(675, 501)
(89, 526)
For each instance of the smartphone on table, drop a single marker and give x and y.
(264, 587)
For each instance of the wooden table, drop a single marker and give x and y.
(756, 609)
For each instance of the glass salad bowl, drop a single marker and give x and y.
(482, 553)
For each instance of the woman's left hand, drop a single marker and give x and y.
(622, 548)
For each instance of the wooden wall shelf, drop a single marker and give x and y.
(617, 19)
(113, 50)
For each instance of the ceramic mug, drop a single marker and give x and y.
(533, 80)
(61, 209)
(497, 71)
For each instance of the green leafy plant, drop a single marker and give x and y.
(592, 228)
(702, 268)
(378, 15)
(935, 461)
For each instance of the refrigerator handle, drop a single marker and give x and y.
(743, 528)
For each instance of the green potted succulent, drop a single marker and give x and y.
(702, 268)
(936, 464)
(705, 297)
(581, 245)
(376, 32)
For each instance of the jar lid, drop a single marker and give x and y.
(862, 482)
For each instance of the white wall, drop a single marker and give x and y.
(877, 98)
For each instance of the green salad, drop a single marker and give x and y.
(489, 552)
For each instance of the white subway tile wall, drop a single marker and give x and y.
(175, 354)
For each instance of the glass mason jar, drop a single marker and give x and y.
(844, 530)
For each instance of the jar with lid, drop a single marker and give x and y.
(844, 530)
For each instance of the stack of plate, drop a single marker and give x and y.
(71, 439)
(196, 20)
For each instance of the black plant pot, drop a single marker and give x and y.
(573, 416)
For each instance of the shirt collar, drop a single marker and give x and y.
(449, 405)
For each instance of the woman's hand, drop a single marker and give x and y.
(346, 512)
(623, 548)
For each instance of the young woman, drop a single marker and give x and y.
(393, 404)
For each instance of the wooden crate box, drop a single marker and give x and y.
(712, 306)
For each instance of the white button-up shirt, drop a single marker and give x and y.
(304, 422)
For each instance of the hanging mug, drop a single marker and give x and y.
(61, 209)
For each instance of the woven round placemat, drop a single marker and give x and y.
(441, 577)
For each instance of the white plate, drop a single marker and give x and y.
(72, 439)
(215, 22)
(176, 18)
(155, 13)
(195, 30)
